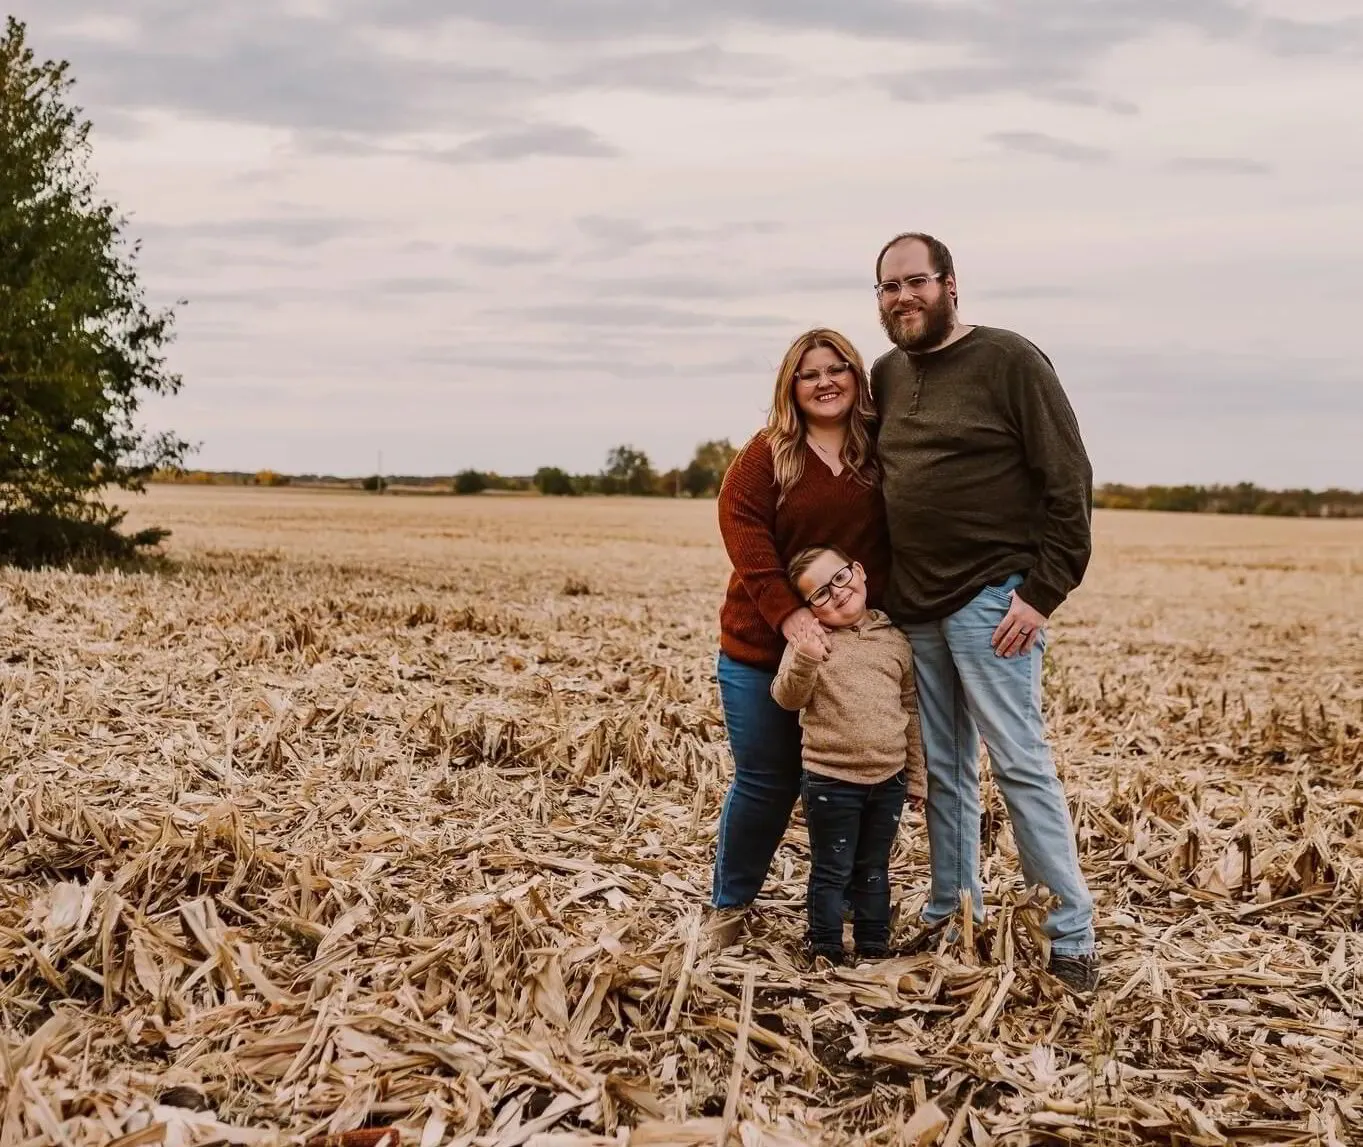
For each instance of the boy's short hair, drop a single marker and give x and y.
(808, 556)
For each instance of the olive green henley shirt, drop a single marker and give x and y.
(984, 473)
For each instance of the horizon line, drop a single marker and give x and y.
(529, 477)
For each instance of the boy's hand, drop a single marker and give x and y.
(815, 648)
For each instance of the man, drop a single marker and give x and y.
(988, 492)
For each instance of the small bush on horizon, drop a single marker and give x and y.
(470, 482)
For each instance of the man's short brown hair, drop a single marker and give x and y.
(797, 565)
(937, 252)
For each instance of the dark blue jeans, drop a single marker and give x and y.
(765, 742)
(851, 832)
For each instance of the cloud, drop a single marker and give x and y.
(1285, 37)
(301, 231)
(114, 124)
(632, 362)
(1039, 143)
(316, 76)
(533, 141)
(1082, 97)
(344, 75)
(1218, 165)
(1040, 291)
(743, 285)
(1216, 383)
(1011, 32)
(618, 235)
(1041, 77)
(610, 315)
(500, 254)
(820, 282)
(416, 285)
(672, 287)
(704, 69)
(220, 299)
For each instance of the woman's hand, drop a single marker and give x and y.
(802, 630)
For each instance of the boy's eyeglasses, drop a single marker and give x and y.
(839, 580)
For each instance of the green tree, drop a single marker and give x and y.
(552, 481)
(628, 471)
(80, 350)
(706, 471)
(470, 482)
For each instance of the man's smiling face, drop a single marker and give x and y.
(920, 320)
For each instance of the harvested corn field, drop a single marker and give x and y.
(397, 813)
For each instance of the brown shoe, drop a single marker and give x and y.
(722, 928)
(1078, 973)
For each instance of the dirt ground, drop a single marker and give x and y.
(397, 812)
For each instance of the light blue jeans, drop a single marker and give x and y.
(965, 690)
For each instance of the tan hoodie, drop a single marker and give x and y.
(859, 710)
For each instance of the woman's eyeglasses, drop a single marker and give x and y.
(836, 372)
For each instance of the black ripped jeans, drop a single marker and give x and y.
(851, 832)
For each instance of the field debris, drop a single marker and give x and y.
(359, 829)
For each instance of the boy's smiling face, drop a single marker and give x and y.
(836, 606)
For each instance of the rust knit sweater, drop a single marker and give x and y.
(761, 538)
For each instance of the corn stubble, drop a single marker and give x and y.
(389, 821)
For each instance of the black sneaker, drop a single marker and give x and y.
(820, 958)
(1078, 973)
(874, 951)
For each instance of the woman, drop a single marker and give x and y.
(808, 478)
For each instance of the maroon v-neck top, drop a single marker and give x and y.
(760, 537)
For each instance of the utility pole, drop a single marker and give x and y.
(380, 472)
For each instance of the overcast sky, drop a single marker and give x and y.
(513, 233)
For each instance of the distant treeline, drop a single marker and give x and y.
(628, 471)
(1244, 498)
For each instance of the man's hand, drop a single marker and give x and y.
(1019, 629)
(802, 630)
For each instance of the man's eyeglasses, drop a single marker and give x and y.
(913, 285)
(837, 371)
(839, 580)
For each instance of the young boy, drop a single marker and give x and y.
(862, 749)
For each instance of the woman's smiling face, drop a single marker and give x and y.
(825, 386)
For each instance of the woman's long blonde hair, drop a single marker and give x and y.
(786, 425)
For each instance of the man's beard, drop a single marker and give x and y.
(931, 326)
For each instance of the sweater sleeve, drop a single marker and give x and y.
(1056, 455)
(913, 733)
(747, 522)
(793, 685)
